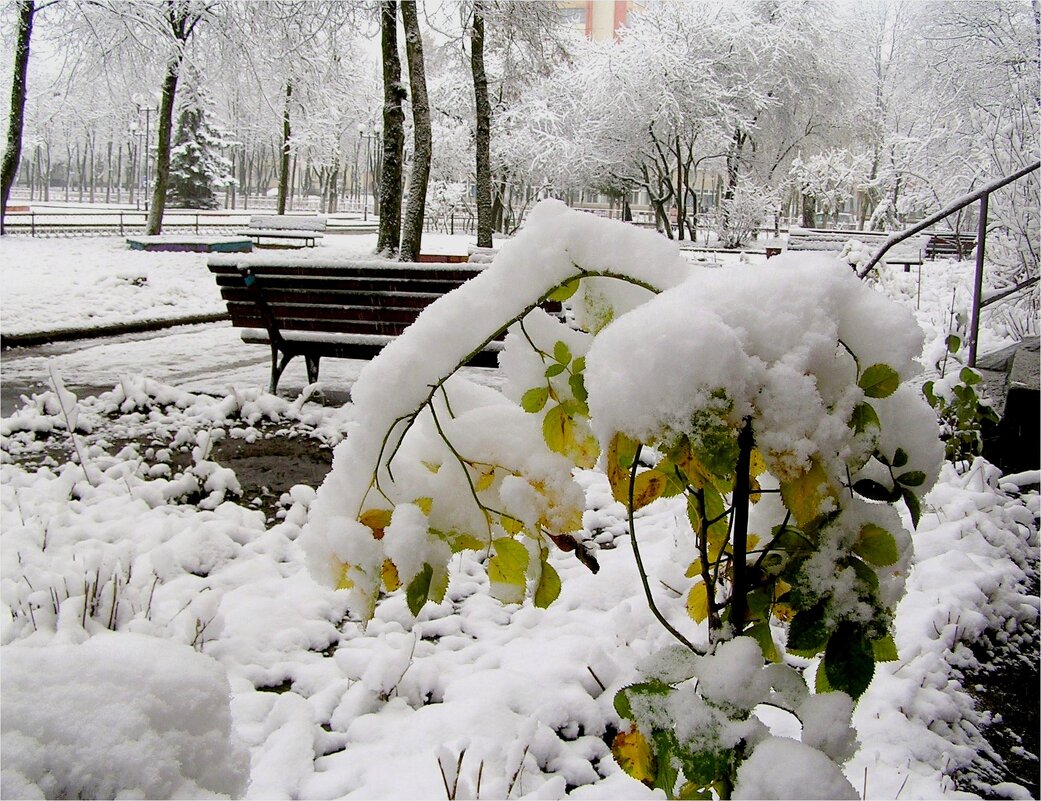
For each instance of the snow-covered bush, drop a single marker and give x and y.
(770, 402)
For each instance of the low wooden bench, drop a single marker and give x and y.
(301, 231)
(344, 309)
(906, 253)
(949, 244)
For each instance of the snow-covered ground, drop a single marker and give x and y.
(278, 693)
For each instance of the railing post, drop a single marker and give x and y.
(977, 286)
(121, 223)
(32, 222)
(196, 222)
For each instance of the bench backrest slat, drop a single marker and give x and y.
(285, 222)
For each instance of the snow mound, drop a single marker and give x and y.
(118, 716)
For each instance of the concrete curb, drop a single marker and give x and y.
(116, 329)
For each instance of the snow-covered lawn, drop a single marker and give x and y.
(232, 672)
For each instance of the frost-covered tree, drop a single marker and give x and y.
(197, 162)
(827, 181)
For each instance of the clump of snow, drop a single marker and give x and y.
(783, 768)
(120, 715)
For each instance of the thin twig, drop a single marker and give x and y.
(639, 560)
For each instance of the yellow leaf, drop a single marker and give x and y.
(587, 449)
(377, 520)
(620, 454)
(390, 576)
(431, 466)
(647, 487)
(694, 569)
(697, 602)
(511, 524)
(633, 754)
(757, 464)
(805, 494)
(424, 504)
(485, 480)
(753, 540)
(343, 580)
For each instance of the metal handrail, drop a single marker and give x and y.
(983, 196)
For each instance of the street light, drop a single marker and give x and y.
(369, 137)
(143, 106)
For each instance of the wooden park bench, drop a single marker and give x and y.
(950, 245)
(906, 253)
(300, 231)
(343, 309)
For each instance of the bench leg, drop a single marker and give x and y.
(312, 368)
(277, 368)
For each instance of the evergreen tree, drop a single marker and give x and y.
(196, 163)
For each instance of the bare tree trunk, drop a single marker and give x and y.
(483, 131)
(412, 231)
(164, 123)
(283, 175)
(393, 134)
(16, 118)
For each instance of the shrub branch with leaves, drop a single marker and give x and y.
(769, 403)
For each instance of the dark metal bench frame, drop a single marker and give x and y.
(364, 297)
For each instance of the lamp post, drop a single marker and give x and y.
(135, 135)
(143, 106)
(369, 138)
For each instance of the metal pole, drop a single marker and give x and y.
(148, 165)
(977, 287)
(365, 184)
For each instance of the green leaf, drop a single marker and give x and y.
(930, 396)
(578, 387)
(820, 684)
(555, 370)
(565, 291)
(879, 381)
(913, 506)
(884, 649)
(579, 364)
(849, 661)
(875, 491)
(912, 478)
(876, 546)
(664, 749)
(509, 564)
(865, 573)
(760, 632)
(864, 417)
(969, 376)
(622, 702)
(953, 343)
(549, 586)
(561, 352)
(419, 590)
(899, 458)
(807, 633)
(534, 399)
